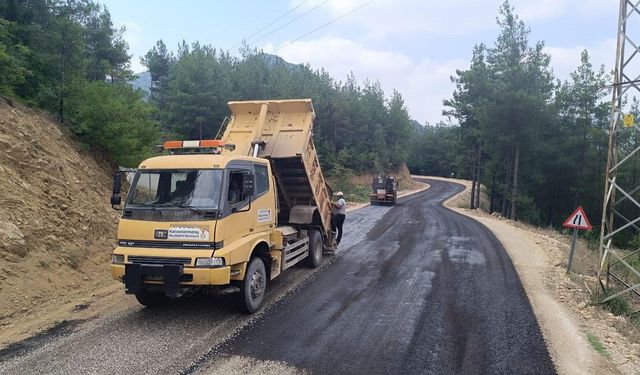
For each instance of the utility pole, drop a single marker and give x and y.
(619, 189)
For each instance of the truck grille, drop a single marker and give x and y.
(158, 260)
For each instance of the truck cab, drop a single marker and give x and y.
(208, 217)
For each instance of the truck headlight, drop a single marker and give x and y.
(117, 258)
(209, 262)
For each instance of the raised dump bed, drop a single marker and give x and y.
(281, 131)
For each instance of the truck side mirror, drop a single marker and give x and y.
(248, 187)
(116, 199)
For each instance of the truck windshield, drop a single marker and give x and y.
(185, 188)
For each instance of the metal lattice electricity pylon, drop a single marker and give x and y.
(617, 275)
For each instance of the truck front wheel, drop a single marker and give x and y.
(253, 286)
(151, 299)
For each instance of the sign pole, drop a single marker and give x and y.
(573, 249)
(577, 220)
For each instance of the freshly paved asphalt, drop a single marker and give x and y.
(414, 289)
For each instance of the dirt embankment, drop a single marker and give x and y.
(57, 228)
(402, 175)
(582, 337)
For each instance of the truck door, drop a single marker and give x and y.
(264, 201)
(237, 216)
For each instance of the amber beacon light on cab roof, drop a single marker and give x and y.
(226, 215)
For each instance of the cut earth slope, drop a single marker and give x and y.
(56, 225)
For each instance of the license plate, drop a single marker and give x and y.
(153, 278)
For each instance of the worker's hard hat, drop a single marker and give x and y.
(340, 194)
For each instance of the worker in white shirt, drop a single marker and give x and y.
(339, 214)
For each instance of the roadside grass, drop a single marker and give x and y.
(586, 264)
(620, 306)
(597, 345)
(627, 305)
(357, 193)
(353, 192)
(633, 261)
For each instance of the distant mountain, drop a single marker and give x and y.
(273, 60)
(142, 81)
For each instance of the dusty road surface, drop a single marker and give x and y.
(415, 289)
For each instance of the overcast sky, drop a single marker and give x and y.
(413, 46)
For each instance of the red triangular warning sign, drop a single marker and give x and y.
(578, 219)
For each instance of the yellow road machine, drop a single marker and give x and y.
(384, 190)
(226, 215)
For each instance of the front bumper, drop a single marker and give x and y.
(160, 274)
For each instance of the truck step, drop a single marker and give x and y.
(295, 252)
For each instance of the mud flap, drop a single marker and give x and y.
(169, 274)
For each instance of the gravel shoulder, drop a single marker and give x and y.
(560, 302)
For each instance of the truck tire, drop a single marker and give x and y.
(253, 286)
(314, 260)
(151, 299)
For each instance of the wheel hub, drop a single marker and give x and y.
(256, 287)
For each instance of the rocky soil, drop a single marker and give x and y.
(57, 228)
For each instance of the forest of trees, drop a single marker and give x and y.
(357, 127)
(537, 143)
(66, 57)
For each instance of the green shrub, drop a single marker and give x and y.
(618, 306)
(114, 119)
(597, 345)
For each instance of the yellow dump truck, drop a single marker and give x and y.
(226, 215)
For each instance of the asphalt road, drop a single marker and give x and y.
(414, 289)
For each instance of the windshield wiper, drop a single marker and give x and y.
(159, 207)
(146, 206)
(192, 208)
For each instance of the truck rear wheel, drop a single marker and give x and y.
(314, 260)
(151, 299)
(253, 286)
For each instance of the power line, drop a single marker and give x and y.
(272, 22)
(278, 19)
(327, 24)
(292, 21)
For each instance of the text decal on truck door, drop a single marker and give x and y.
(264, 215)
